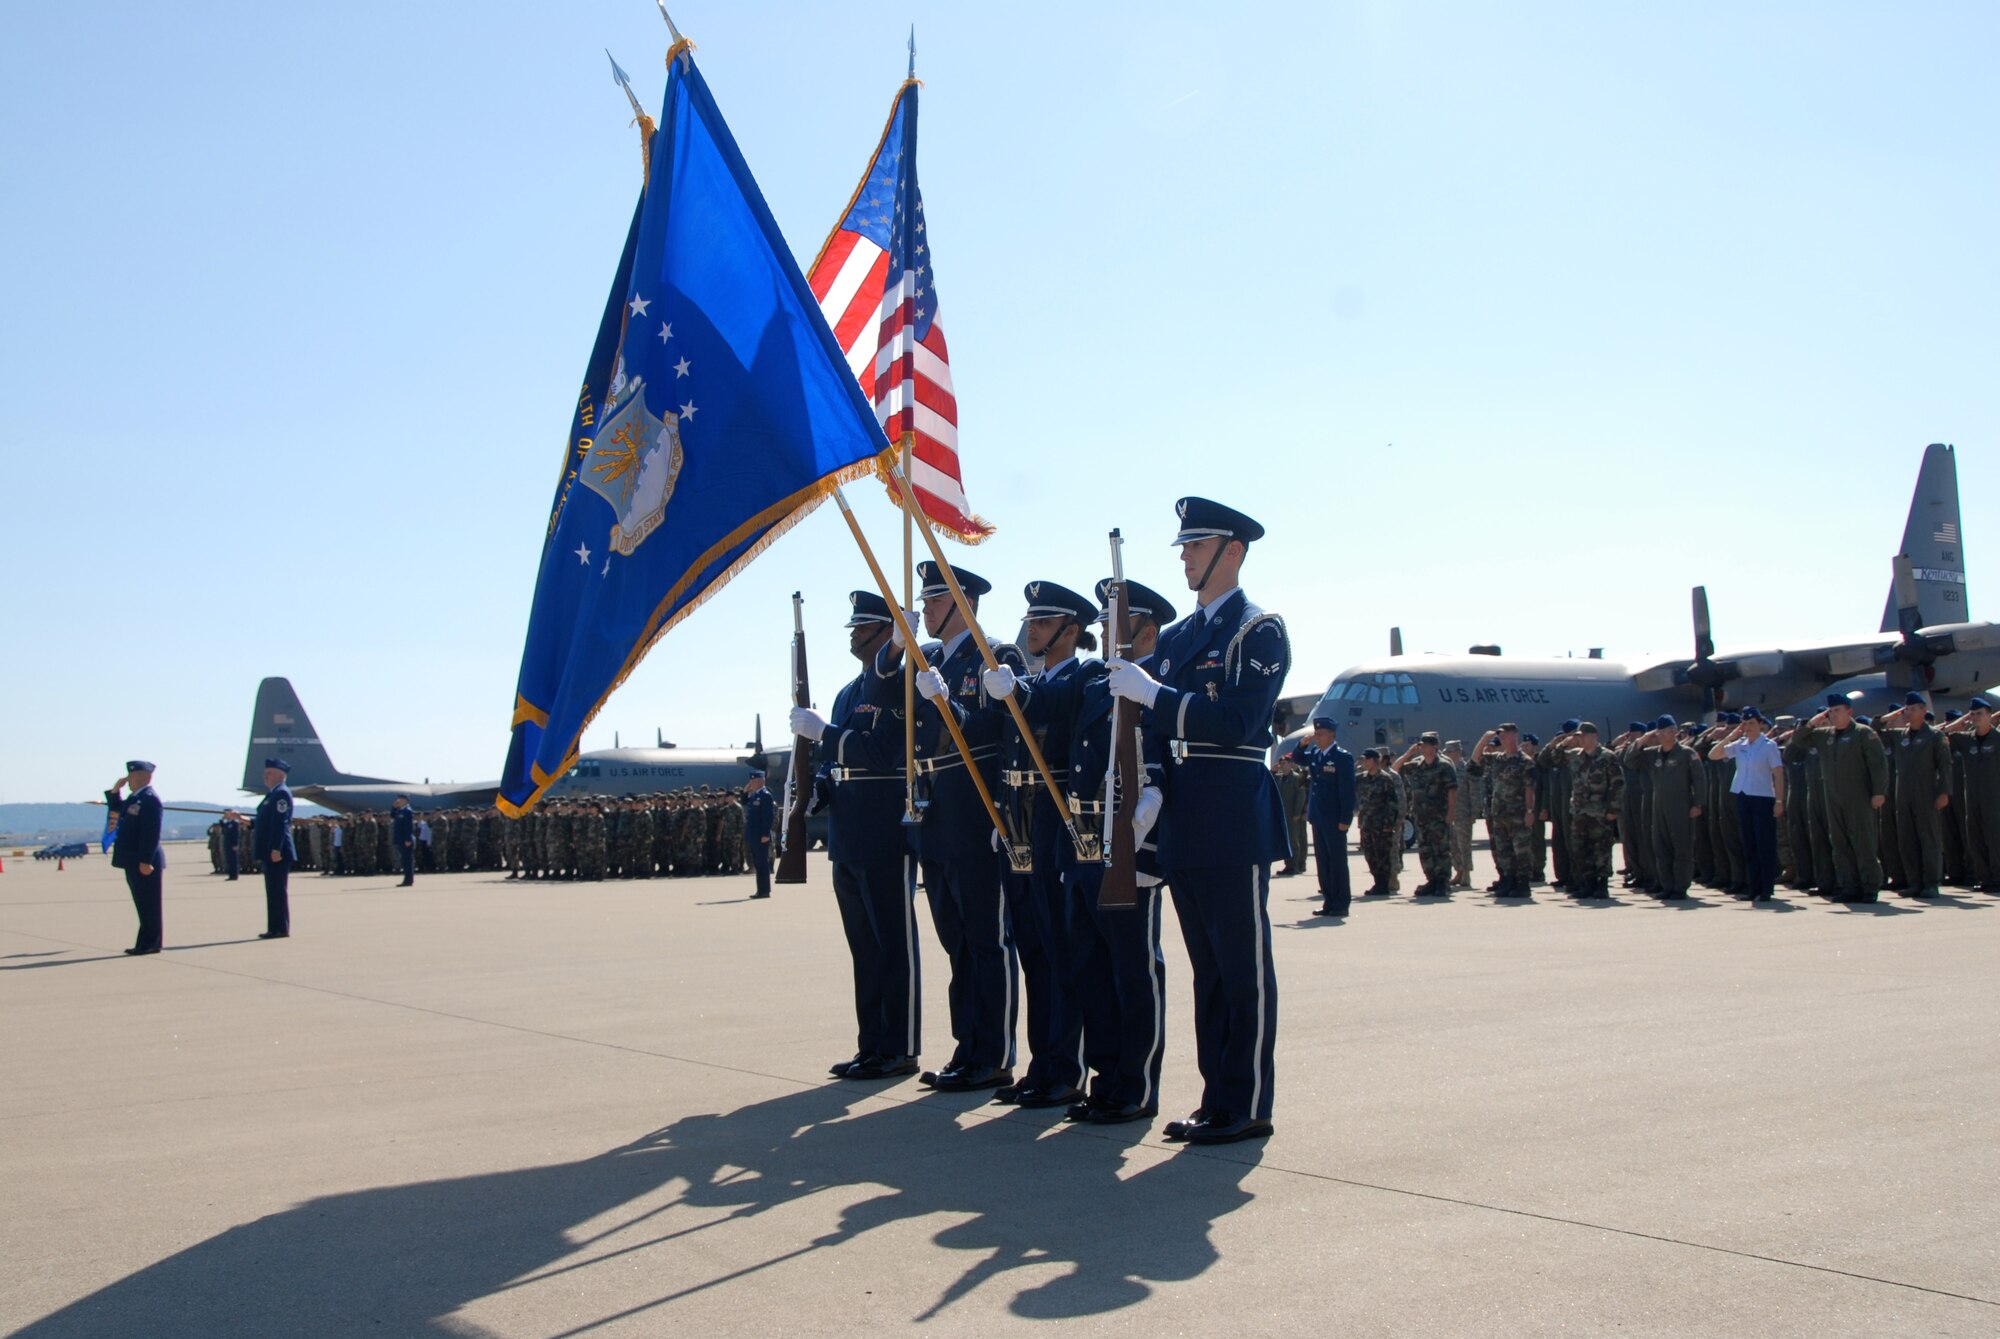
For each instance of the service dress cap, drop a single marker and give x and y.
(1046, 599)
(137, 765)
(1203, 519)
(1140, 599)
(868, 608)
(278, 763)
(973, 584)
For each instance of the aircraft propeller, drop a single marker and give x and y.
(1705, 671)
(1911, 660)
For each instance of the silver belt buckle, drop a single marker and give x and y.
(1178, 748)
(1018, 779)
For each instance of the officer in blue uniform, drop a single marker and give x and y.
(271, 840)
(136, 850)
(1057, 625)
(1116, 989)
(229, 833)
(956, 842)
(403, 832)
(1329, 809)
(859, 782)
(760, 820)
(1209, 701)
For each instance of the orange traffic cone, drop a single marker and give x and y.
(59, 864)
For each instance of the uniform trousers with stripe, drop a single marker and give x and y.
(1120, 989)
(1041, 940)
(971, 922)
(878, 912)
(1227, 927)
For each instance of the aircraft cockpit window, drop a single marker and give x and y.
(1409, 695)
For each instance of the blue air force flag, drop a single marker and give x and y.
(716, 410)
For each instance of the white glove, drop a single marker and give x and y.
(1145, 813)
(998, 844)
(1132, 683)
(999, 681)
(912, 617)
(931, 684)
(807, 723)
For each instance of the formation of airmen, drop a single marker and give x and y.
(681, 833)
(1857, 805)
(1016, 905)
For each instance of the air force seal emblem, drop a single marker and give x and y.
(633, 465)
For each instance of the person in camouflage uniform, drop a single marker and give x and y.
(1596, 785)
(1292, 793)
(1510, 802)
(735, 854)
(1378, 812)
(1465, 811)
(1552, 785)
(1538, 823)
(1431, 786)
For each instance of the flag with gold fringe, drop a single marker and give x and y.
(716, 411)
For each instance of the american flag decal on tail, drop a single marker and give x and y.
(878, 289)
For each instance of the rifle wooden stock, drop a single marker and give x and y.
(798, 781)
(1125, 778)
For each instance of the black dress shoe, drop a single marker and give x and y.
(973, 1080)
(881, 1067)
(1080, 1110)
(1047, 1097)
(281, 934)
(1131, 1111)
(140, 952)
(839, 1069)
(1009, 1094)
(1178, 1129)
(1223, 1130)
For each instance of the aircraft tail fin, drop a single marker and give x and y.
(280, 728)
(1934, 544)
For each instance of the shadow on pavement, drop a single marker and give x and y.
(401, 1259)
(59, 962)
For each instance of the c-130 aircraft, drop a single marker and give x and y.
(280, 728)
(1924, 644)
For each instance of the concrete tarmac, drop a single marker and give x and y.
(490, 1108)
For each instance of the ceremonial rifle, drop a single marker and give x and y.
(1123, 779)
(798, 780)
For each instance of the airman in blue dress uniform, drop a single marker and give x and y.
(1116, 990)
(956, 840)
(136, 850)
(271, 840)
(1208, 701)
(403, 833)
(1057, 624)
(859, 782)
(1329, 769)
(760, 821)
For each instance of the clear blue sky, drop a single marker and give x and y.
(1502, 318)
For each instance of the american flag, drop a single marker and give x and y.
(876, 284)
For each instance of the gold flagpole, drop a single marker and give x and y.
(992, 661)
(913, 652)
(910, 814)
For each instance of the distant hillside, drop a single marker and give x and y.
(25, 823)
